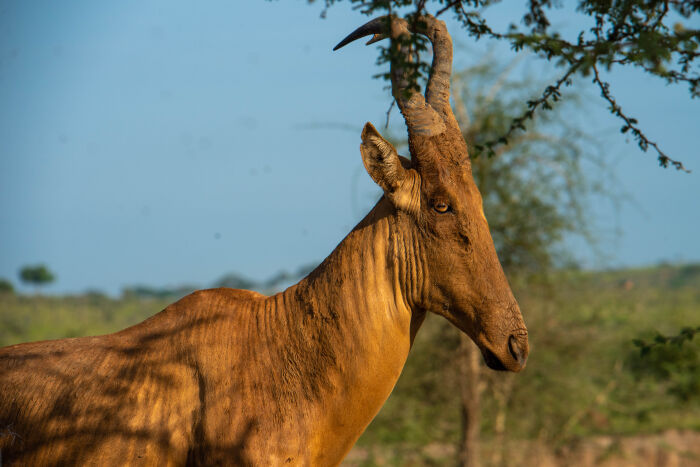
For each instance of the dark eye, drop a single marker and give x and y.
(441, 207)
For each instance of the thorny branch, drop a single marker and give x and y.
(630, 125)
(551, 92)
(685, 335)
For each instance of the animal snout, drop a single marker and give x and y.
(518, 348)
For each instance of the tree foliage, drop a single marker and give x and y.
(673, 360)
(654, 36)
(36, 275)
(536, 188)
(274, 283)
(6, 286)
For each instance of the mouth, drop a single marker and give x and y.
(499, 353)
(492, 361)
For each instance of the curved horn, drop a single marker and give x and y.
(375, 27)
(420, 117)
(438, 89)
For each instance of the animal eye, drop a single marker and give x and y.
(441, 207)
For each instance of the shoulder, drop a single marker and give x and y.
(221, 294)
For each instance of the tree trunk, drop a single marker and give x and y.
(471, 387)
(502, 390)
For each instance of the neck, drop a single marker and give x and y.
(353, 327)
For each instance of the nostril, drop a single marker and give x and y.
(515, 350)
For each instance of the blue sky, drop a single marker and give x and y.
(168, 142)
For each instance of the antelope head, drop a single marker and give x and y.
(450, 263)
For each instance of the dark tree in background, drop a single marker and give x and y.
(36, 276)
(6, 286)
(654, 36)
(537, 187)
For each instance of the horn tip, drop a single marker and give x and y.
(341, 44)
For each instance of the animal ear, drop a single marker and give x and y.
(386, 167)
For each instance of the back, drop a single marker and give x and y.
(99, 399)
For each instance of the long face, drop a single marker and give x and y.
(439, 208)
(465, 282)
(439, 212)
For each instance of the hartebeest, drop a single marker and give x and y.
(229, 376)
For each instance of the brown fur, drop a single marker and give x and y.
(222, 375)
(233, 377)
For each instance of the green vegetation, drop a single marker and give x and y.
(6, 286)
(33, 318)
(586, 376)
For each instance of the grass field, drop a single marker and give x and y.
(585, 379)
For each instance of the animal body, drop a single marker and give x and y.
(233, 377)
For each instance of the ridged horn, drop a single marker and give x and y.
(420, 117)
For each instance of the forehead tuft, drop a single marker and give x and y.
(442, 162)
(445, 173)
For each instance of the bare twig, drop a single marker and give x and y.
(447, 7)
(388, 113)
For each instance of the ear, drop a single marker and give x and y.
(387, 169)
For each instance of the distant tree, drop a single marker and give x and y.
(284, 278)
(236, 281)
(673, 360)
(157, 293)
(273, 284)
(6, 286)
(37, 276)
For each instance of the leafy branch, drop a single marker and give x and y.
(686, 335)
(647, 35)
(551, 94)
(631, 125)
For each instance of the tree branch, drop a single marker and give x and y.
(551, 92)
(630, 124)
